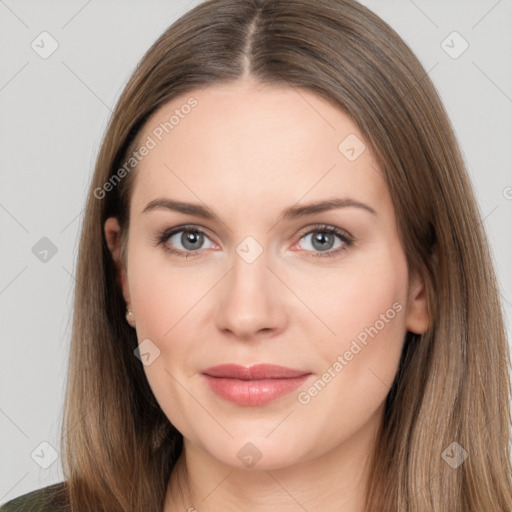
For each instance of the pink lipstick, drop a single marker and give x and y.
(253, 385)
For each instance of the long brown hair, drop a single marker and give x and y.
(453, 382)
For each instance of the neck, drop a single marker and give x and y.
(334, 481)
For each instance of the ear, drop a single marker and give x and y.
(417, 317)
(113, 237)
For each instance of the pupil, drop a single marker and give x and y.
(322, 239)
(190, 239)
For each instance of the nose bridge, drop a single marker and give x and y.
(249, 299)
(250, 273)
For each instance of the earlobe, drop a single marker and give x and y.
(113, 238)
(417, 315)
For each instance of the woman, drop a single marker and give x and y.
(284, 299)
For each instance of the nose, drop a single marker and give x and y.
(251, 300)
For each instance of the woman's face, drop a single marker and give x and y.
(272, 280)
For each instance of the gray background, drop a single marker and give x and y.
(54, 112)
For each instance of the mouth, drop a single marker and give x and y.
(254, 385)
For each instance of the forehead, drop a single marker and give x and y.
(254, 145)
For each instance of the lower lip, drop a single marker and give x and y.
(253, 392)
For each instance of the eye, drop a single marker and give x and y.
(186, 240)
(183, 240)
(327, 241)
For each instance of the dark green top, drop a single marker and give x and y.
(48, 499)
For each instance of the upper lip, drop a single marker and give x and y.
(255, 372)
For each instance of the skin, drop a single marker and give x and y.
(248, 152)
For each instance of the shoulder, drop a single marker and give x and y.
(52, 498)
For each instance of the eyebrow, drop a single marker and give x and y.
(290, 213)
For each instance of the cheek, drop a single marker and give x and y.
(366, 291)
(162, 291)
(366, 310)
(167, 299)
(163, 299)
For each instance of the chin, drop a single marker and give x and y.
(252, 453)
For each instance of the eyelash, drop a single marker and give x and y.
(347, 239)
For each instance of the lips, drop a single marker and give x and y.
(255, 385)
(256, 372)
